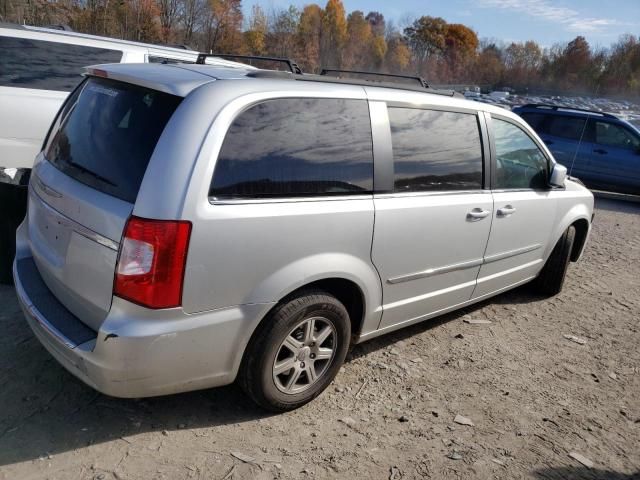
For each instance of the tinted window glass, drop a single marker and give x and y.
(106, 134)
(297, 147)
(434, 150)
(166, 60)
(44, 65)
(519, 161)
(615, 136)
(535, 120)
(566, 127)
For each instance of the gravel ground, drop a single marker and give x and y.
(534, 397)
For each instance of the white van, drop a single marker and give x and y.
(38, 69)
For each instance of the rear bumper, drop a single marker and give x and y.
(138, 352)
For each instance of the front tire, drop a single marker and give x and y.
(551, 277)
(296, 351)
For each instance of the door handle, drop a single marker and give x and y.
(477, 214)
(548, 142)
(506, 211)
(600, 151)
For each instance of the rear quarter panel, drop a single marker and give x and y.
(250, 252)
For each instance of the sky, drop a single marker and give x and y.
(547, 22)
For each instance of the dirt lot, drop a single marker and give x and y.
(533, 396)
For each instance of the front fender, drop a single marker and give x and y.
(569, 212)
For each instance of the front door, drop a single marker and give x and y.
(615, 157)
(431, 230)
(524, 210)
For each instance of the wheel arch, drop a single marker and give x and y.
(579, 215)
(582, 232)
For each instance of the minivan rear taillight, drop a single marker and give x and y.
(151, 264)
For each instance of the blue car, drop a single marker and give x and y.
(598, 148)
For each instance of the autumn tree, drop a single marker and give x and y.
(377, 22)
(222, 26)
(489, 65)
(256, 35)
(359, 41)
(169, 15)
(461, 45)
(426, 38)
(622, 69)
(522, 62)
(309, 37)
(283, 29)
(191, 11)
(333, 34)
(398, 55)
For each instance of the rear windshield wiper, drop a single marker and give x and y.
(91, 173)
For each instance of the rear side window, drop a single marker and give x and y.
(106, 133)
(570, 128)
(296, 147)
(435, 150)
(42, 65)
(535, 120)
(519, 162)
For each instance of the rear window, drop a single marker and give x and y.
(571, 128)
(106, 132)
(535, 120)
(42, 65)
(297, 147)
(435, 150)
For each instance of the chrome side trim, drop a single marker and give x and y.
(316, 198)
(435, 271)
(463, 265)
(37, 316)
(511, 253)
(78, 228)
(431, 193)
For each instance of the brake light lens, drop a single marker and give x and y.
(151, 263)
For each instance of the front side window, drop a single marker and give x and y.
(435, 150)
(42, 65)
(519, 161)
(296, 147)
(571, 128)
(612, 135)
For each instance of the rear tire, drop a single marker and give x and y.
(551, 277)
(296, 351)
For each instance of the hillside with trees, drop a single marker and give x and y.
(327, 36)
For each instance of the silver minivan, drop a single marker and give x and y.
(193, 225)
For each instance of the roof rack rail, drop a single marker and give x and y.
(293, 66)
(545, 106)
(421, 81)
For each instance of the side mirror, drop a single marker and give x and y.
(558, 175)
